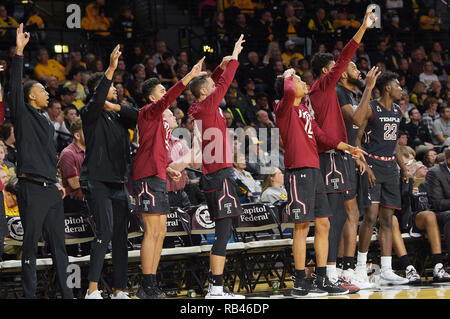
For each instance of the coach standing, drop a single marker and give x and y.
(39, 197)
(103, 176)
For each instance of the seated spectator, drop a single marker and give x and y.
(435, 91)
(7, 135)
(122, 71)
(290, 53)
(419, 173)
(239, 115)
(10, 194)
(427, 77)
(5, 22)
(125, 28)
(360, 54)
(290, 27)
(418, 60)
(67, 97)
(94, 21)
(262, 103)
(429, 21)
(273, 187)
(7, 166)
(161, 48)
(185, 100)
(430, 115)
(437, 186)
(244, 6)
(122, 97)
(418, 93)
(55, 115)
(381, 55)
(255, 158)
(395, 58)
(321, 26)
(240, 26)
(418, 133)
(273, 49)
(403, 70)
(262, 30)
(52, 87)
(166, 70)
(402, 138)
(256, 71)
(345, 24)
(404, 108)
(249, 186)
(135, 85)
(48, 67)
(441, 127)
(429, 158)
(74, 78)
(69, 165)
(70, 114)
(219, 31)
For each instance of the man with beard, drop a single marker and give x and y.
(354, 115)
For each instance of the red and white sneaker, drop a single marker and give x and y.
(342, 283)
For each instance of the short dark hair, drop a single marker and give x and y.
(261, 95)
(73, 71)
(279, 87)
(166, 55)
(196, 84)
(94, 81)
(410, 111)
(385, 79)
(400, 133)
(27, 88)
(11, 186)
(319, 61)
(5, 131)
(52, 102)
(442, 108)
(148, 86)
(76, 126)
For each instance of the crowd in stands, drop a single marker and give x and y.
(280, 35)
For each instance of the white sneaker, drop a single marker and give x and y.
(412, 275)
(121, 295)
(388, 277)
(350, 276)
(95, 295)
(218, 293)
(361, 279)
(439, 274)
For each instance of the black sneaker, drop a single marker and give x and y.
(149, 293)
(303, 288)
(323, 283)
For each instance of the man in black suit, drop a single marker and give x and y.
(437, 185)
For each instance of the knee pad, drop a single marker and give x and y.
(223, 234)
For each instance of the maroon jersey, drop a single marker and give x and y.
(216, 144)
(323, 99)
(299, 131)
(154, 134)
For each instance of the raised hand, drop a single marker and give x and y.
(288, 73)
(371, 77)
(238, 47)
(22, 39)
(225, 61)
(114, 58)
(197, 69)
(370, 18)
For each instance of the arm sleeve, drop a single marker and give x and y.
(435, 193)
(157, 108)
(129, 116)
(288, 98)
(221, 86)
(322, 138)
(16, 103)
(215, 76)
(94, 107)
(333, 76)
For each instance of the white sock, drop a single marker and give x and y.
(217, 290)
(386, 263)
(331, 271)
(361, 259)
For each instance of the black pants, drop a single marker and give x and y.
(109, 204)
(443, 219)
(41, 208)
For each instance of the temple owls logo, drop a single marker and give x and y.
(15, 228)
(203, 218)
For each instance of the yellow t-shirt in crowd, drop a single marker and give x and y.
(287, 58)
(53, 68)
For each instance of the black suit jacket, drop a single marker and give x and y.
(437, 186)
